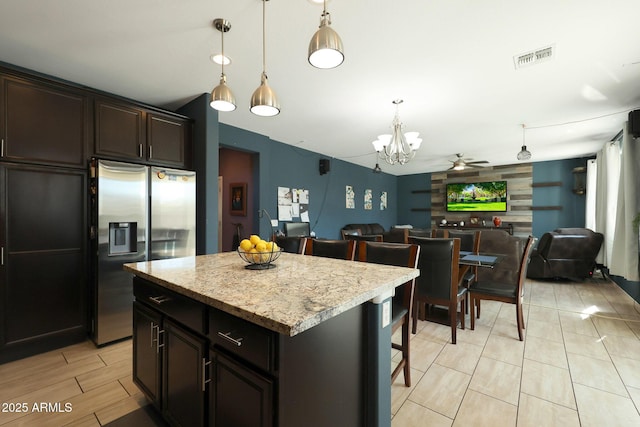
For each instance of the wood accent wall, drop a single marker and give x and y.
(519, 179)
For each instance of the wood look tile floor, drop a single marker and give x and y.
(579, 365)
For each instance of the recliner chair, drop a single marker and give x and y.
(568, 253)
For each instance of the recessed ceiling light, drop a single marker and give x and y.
(218, 58)
(317, 1)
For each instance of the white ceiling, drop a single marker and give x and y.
(451, 61)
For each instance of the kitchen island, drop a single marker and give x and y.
(305, 343)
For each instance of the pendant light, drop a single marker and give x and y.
(263, 100)
(524, 154)
(325, 48)
(222, 98)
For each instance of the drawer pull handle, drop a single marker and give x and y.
(205, 380)
(227, 336)
(159, 346)
(153, 328)
(159, 299)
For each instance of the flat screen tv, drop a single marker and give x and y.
(489, 196)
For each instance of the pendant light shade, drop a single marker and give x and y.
(263, 100)
(325, 48)
(222, 98)
(524, 154)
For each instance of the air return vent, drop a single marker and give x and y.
(534, 57)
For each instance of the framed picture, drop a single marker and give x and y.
(238, 193)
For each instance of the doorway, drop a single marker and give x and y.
(236, 215)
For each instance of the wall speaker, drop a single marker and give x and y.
(634, 123)
(325, 166)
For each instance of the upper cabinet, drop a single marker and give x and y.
(125, 131)
(168, 140)
(43, 123)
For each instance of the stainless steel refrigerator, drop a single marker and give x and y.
(139, 213)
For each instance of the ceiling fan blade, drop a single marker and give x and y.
(478, 162)
(473, 165)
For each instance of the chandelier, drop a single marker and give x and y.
(398, 147)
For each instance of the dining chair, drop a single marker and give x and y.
(439, 282)
(350, 232)
(291, 244)
(505, 287)
(403, 255)
(366, 238)
(439, 232)
(469, 242)
(339, 249)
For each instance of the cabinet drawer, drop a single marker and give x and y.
(242, 338)
(184, 310)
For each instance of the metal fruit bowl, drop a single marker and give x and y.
(259, 260)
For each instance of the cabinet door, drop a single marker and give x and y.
(119, 130)
(240, 396)
(147, 351)
(43, 273)
(184, 376)
(168, 140)
(42, 123)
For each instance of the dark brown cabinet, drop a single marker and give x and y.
(147, 351)
(127, 132)
(43, 123)
(119, 130)
(168, 140)
(185, 376)
(170, 361)
(43, 250)
(240, 396)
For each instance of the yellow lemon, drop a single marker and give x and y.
(254, 255)
(254, 239)
(272, 246)
(261, 246)
(246, 245)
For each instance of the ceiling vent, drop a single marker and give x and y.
(534, 57)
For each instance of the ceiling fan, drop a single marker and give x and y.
(461, 164)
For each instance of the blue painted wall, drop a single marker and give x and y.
(408, 200)
(205, 155)
(572, 213)
(282, 165)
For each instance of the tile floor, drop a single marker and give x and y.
(579, 365)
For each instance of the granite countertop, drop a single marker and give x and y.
(301, 292)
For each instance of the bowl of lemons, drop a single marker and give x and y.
(257, 253)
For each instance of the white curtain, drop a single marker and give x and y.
(624, 261)
(607, 182)
(613, 202)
